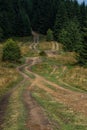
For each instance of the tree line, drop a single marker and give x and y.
(66, 18)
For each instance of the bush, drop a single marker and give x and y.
(49, 36)
(42, 53)
(11, 51)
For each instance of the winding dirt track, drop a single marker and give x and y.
(37, 119)
(75, 100)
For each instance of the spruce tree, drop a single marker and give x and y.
(49, 36)
(83, 15)
(71, 37)
(61, 19)
(82, 57)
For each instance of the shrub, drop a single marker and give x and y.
(49, 36)
(11, 51)
(42, 53)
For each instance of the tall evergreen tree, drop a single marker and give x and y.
(83, 14)
(82, 58)
(71, 37)
(76, 9)
(61, 19)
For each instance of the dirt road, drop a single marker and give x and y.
(37, 119)
(75, 100)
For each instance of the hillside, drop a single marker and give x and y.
(43, 92)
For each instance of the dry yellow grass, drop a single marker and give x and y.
(62, 69)
(7, 76)
(66, 58)
(76, 76)
(25, 49)
(44, 45)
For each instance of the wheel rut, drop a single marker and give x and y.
(37, 120)
(36, 116)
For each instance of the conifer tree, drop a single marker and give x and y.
(71, 37)
(61, 19)
(49, 36)
(82, 57)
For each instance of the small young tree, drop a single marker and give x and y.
(49, 36)
(11, 51)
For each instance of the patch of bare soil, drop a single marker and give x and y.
(3, 107)
(77, 101)
(37, 120)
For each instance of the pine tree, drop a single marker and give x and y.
(71, 37)
(76, 10)
(61, 19)
(69, 8)
(82, 58)
(49, 36)
(83, 15)
(25, 29)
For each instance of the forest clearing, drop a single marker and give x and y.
(44, 96)
(43, 64)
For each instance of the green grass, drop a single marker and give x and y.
(29, 74)
(5, 89)
(68, 76)
(62, 118)
(16, 114)
(50, 86)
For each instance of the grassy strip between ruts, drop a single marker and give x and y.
(15, 117)
(62, 117)
(68, 76)
(10, 86)
(29, 74)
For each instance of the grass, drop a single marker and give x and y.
(27, 52)
(50, 86)
(16, 114)
(64, 73)
(29, 74)
(61, 117)
(8, 78)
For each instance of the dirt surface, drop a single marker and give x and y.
(77, 101)
(37, 119)
(3, 107)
